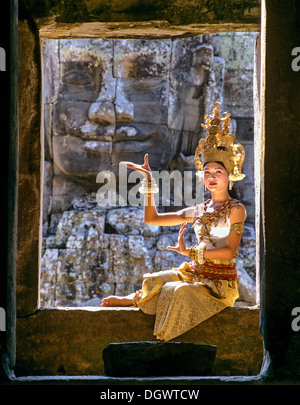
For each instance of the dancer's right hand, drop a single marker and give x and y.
(143, 169)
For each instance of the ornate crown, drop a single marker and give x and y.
(218, 146)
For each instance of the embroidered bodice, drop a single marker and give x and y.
(213, 227)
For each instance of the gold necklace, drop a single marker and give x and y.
(208, 218)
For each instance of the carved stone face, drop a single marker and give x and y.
(120, 99)
(101, 118)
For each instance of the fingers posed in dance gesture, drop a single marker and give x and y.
(144, 169)
(181, 247)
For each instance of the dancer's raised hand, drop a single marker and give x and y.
(144, 169)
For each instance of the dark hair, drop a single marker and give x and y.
(235, 192)
(219, 163)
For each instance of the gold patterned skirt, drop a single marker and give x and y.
(183, 297)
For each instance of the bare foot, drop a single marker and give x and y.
(116, 301)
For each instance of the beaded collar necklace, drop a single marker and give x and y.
(206, 219)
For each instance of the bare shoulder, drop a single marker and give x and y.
(238, 212)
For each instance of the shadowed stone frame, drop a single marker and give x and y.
(276, 251)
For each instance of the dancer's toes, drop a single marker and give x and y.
(115, 301)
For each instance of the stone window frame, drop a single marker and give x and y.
(28, 295)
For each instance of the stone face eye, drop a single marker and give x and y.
(76, 79)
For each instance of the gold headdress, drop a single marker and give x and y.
(218, 146)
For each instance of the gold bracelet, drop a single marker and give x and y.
(197, 253)
(237, 227)
(200, 253)
(192, 253)
(149, 186)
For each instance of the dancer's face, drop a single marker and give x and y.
(216, 177)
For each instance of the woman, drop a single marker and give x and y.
(183, 297)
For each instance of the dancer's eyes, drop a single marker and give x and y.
(217, 172)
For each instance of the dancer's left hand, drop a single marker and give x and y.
(180, 248)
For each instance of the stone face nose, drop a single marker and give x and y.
(102, 113)
(106, 113)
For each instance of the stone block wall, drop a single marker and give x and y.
(95, 253)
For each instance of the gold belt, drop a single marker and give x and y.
(225, 269)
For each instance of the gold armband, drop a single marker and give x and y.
(237, 227)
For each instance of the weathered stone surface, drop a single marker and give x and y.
(102, 113)
(190, 71)
(50, 70)
(63, 191)
(123, 107)
(83, 158)
(141, 258)
(247, 286)
(149, 96)
(84, 91)
(83, 65)
(79, 223)
(77, 268)
(151, 12)
(29, 172)
(94, 253)
(83, 119)
(133, 141)
(117, 99)
(131, 221)
(71, 341)
(148, 359)
(49, 261)
(247, 251)
(140, 59)
(47, 195)
(237, 51)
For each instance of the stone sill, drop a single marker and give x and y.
(105, 381)
(69, 341)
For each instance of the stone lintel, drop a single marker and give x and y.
(142, 29)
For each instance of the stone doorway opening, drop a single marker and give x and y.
(107, 100)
